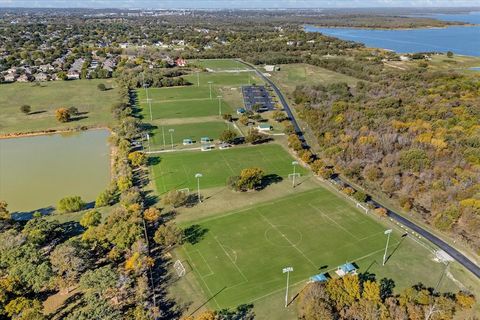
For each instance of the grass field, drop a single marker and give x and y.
(223, 78)
(185, 109)
(193, 131)
(45, 99)
(175, 93)
(238, 257)
(292, 75)
(177, 170)
(220, 64)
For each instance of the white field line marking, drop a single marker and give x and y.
(228, 164)
(230, 258)
(200, 276)
(335, 222)
(288, 240)
(205, 260)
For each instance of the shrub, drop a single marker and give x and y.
(62, 115)
(91, 218)
(26, 109)
(70, 204)
(360, 196)
(174, 198)
(228, 136)
(101, 87)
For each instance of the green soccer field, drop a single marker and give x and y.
(185, 109)
(220, 64)
(193, 131)
(177, 170)
(231, 79)
(175, 93)
(238, 257)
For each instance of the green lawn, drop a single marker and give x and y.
(185, 109)
(238, 257)
(177, 170)
(45, 99)
(193, 131)
(223, 78)
(175, 93)
(292, 75)
(220, 64)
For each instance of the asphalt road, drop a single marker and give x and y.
(454, 253)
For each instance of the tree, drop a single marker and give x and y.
(4, 213)
(41, 231)
(227, 117)
(105, 198)
(25, 309)
(68, 261)
(314, 303)
(73, 111)
(101, 87)
(151, 214)
(70, 204)
(278, 116)
(381, 212)
(249, 179)
(91, 218)
(174, 198)
(254, 137)
(62, 115)
(371, 291)
(244, 120)
(168, 235)
(137, 158)
(360, 196)
(228, 136)
(26, 109)
(450, 54)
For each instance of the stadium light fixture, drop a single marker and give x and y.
(171, 135)
(294, 164)
(198, 176)
(287, 270)
(387, 232)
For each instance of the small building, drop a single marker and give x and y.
(23, 78)
(187, 142)
(205, 140)
(264, 127)
(73, 75)
(10, 77)
(207, 147)
(181, 62)
(269, 68)
(347, 268)
(241, 111)
(41, 76)
(321, 277)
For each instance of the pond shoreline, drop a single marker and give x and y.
(51, 131)
(392, 29)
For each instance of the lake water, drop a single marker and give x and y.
(460, 40)
(36, 172)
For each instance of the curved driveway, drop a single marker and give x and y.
(454, 253)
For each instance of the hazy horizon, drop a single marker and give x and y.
(230, 4)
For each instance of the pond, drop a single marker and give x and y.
(37, 171)
(463, 40)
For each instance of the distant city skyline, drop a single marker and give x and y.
(234, 4)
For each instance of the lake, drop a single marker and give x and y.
(460, 40)
(37, 171)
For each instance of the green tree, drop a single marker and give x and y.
(22, 308)
(174, 198)
(254, 136)
(101, 87)
(70, 204)
(250, 179)
(4, 213)
(228, 136)
(69, 260)
(137, 158)
(278, 116)
(168, 235)
(26, 109)
(91, 218)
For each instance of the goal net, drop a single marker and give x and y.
(361, 206)
(179, 268)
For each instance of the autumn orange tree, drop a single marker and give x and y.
(62, 115)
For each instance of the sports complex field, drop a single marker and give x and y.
(238, 257)
(177, 170)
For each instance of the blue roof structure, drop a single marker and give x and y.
(348, 267)
(318, 278)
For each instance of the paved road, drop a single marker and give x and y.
(454, 253)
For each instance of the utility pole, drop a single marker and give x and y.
(163, 134)
(387, 232)
(287, 270)
(294, 163)
(210, 86)
(219, 105)
(198, 79)
(171, 135)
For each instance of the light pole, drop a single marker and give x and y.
(287, 270)
(171, 135)
(198, 176)
(150, 107)
(294, 163)
(163, 134)
(219, 105)
(387, 232)
(198, 79)
(210, 86)
(148, 140)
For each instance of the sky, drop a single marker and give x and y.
(222, 4)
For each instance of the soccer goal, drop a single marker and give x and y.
(359, 205)
(179, 268)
